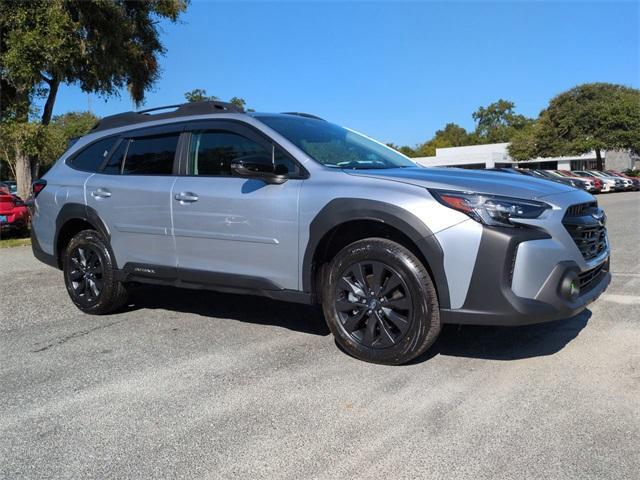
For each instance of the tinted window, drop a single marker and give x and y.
(114, 164)
(211, 153)
(92, 157)
(151, 155)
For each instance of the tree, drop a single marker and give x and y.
(46, 142)
(101, 46)
(199, 95)
(452, 135)
(498, 122)
(589, 117)
(405, 149)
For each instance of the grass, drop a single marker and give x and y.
(14, 242)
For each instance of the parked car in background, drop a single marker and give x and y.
(580, 183)
(616, 184)
(13, 186)
(634, 180)
(589, 183)
(14, 214)
(597, 182)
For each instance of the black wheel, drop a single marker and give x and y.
(89, 274)
(380, 302)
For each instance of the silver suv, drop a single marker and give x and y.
(292, 207)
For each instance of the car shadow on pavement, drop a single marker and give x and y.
(494, 343)
(507, 343)
(244, 308)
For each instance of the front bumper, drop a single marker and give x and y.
(491, 300)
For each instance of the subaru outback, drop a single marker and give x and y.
(292, 207)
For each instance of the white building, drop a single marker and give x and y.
(496, 155)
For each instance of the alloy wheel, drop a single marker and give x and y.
(85, 273)
(374, 304)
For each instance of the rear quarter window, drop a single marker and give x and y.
(90, 159)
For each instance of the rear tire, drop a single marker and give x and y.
(89, 271)
(380, 302)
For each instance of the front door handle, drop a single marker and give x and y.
(187, 197)
(101, 193)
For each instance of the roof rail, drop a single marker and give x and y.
(306, 115)
(180, 110)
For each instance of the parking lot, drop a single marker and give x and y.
(195, 384)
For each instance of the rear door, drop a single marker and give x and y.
(132, 195)
(237, 231)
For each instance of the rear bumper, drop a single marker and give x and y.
(491, 300)
(40, 254)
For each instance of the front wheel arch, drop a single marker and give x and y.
(370, 218)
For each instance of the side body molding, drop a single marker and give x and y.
(342, 210)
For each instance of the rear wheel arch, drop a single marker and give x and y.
(346, 220)
(72, 219)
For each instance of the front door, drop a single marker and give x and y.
(235, 231)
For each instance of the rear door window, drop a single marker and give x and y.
(151, 155)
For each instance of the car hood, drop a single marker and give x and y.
(479, 181)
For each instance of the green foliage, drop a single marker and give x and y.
(74, 124)
(593, 116)
(495, 123)
(199, 95)
(498, 122)
(452, 135)
(102, 46)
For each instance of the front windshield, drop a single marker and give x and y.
(334, 146)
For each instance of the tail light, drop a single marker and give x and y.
(38, 186)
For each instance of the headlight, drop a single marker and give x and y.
(491, 210)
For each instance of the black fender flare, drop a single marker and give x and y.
(78, 211)
(342, 210)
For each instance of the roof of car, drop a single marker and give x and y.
(176, 111)
(172, 111)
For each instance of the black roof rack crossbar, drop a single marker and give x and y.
(180, 110)
(306, 115)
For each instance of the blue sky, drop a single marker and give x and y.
(394, 70)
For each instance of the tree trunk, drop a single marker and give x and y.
(599, 164)
(51, 100)
(23, 174)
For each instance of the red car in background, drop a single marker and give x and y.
(14, 214)
(596, 181)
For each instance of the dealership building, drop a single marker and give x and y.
(494, 155)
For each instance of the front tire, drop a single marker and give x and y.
(380, 302)
(89, 271)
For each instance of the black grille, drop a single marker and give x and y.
(585, 224)
(580, 209)
(591, 277)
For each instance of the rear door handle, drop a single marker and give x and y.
(187, 197)
(101, 193)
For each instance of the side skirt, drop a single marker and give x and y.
(215, 281)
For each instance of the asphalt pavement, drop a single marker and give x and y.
(195, 384)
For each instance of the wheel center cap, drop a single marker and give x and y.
(374, 304)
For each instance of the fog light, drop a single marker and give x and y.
(570, 285)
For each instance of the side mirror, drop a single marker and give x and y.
(258, 166)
